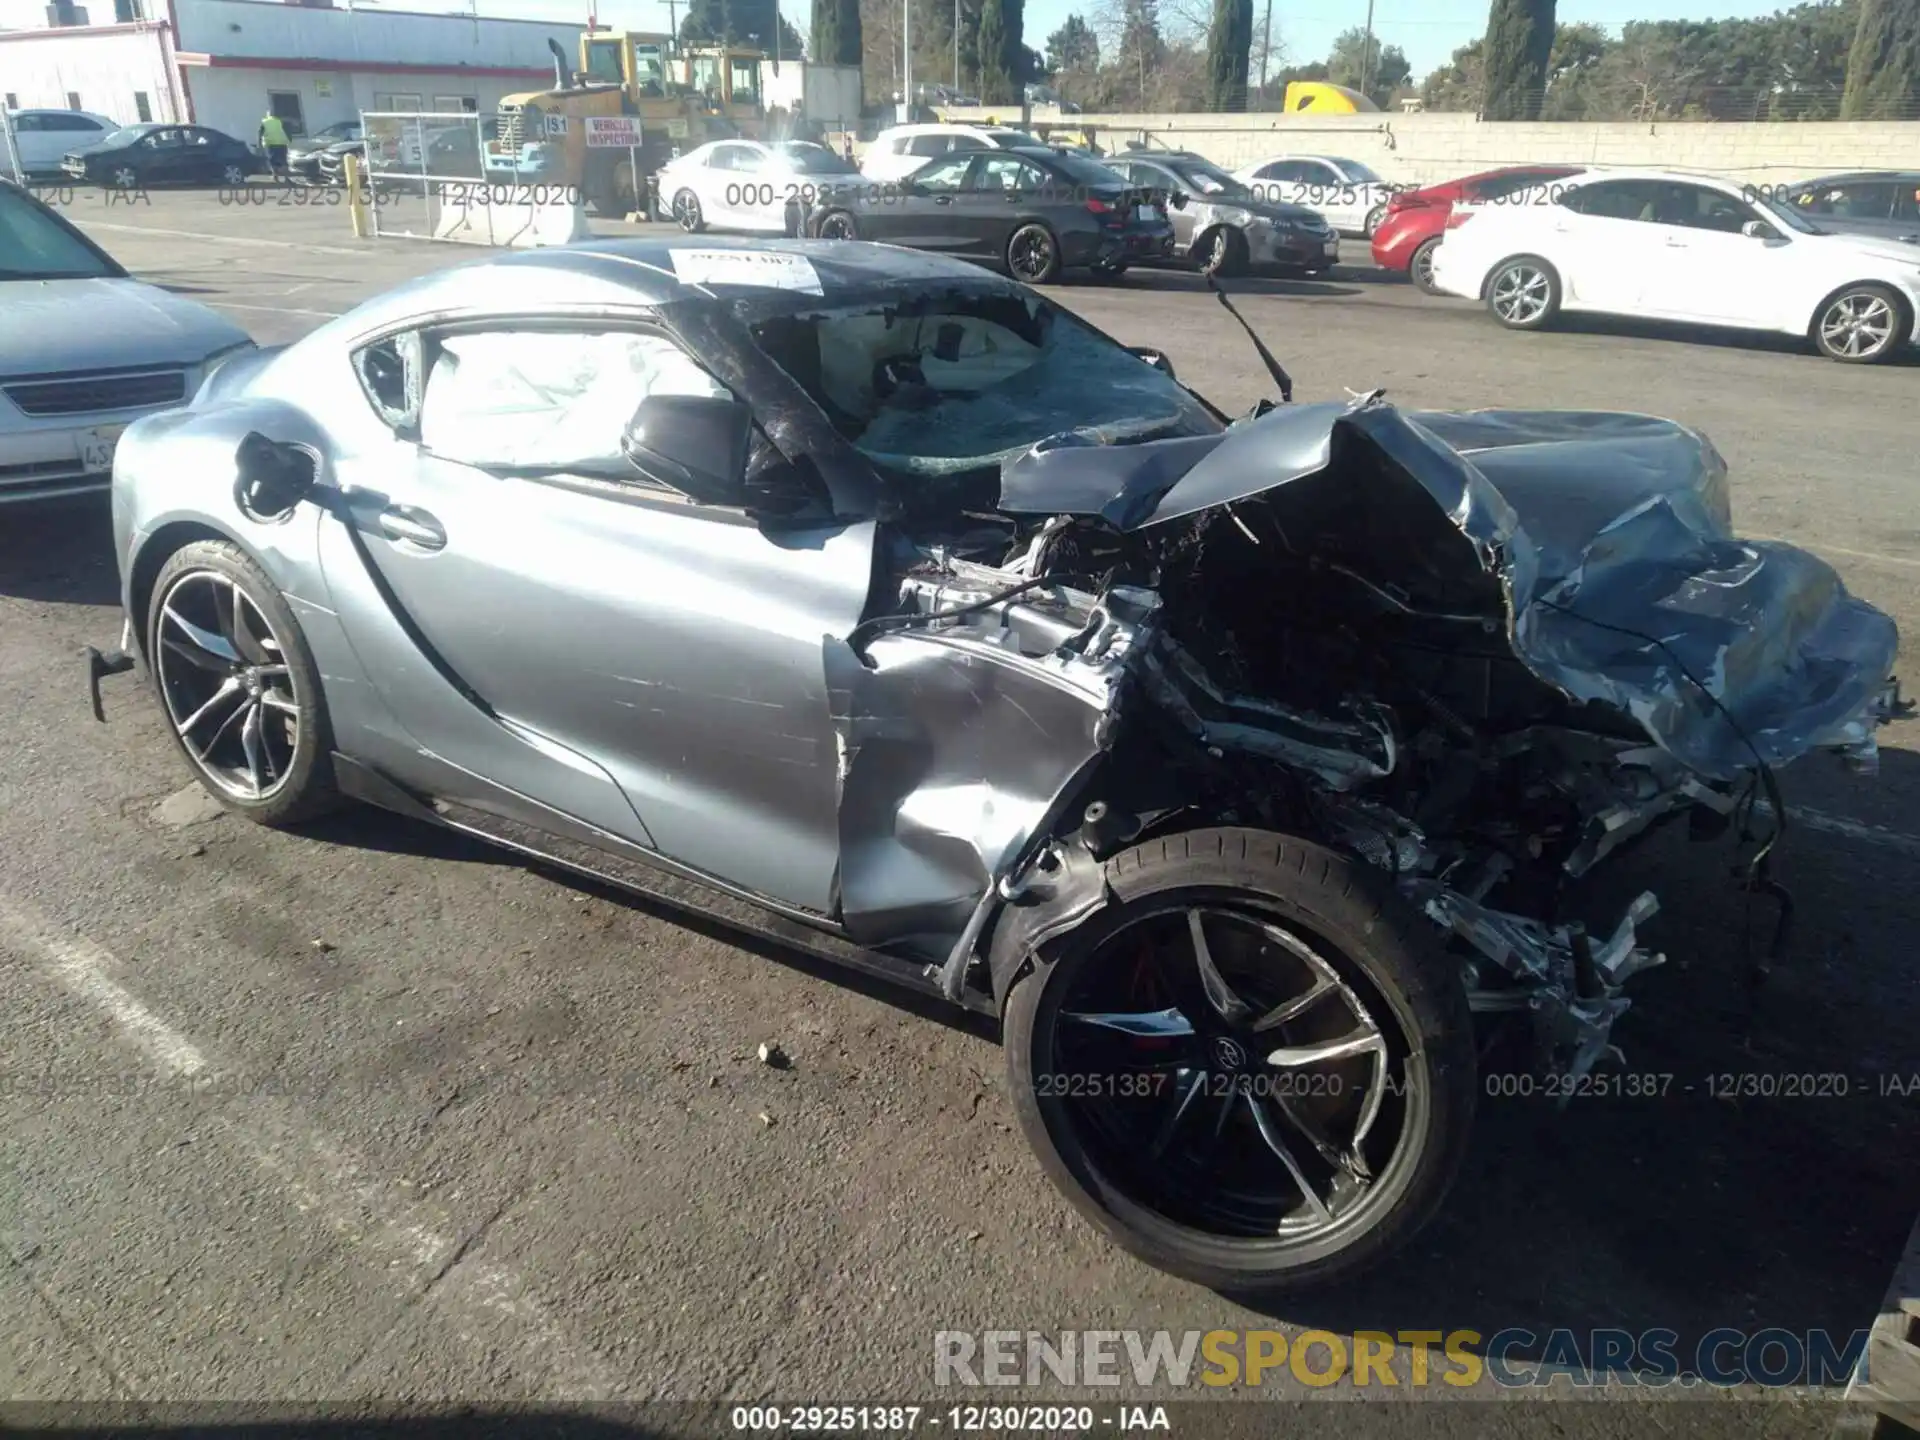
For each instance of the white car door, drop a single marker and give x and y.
(1707, 269)
(1604, 238)
(729, 185)
(37, 149)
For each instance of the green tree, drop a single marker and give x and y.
(1358, 62)
(1518, 42)
(836, 32)
(1458, 84)
(1073, 46)
(1883, 67)
(1003, 61)
(1229, 48)
(739, 22)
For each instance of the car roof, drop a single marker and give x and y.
(1594, 174)
(947, 127)
(642, 273)
(1841, 177)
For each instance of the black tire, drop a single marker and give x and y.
(234, 176)
(1221, 253)
(1374, 217)
(1033, 255)
(838, 225)
(1862, 324)
(686, 209)
(1523, 293)
(123, 177)
(304, 784)
(1376, 946)
(1420, 268)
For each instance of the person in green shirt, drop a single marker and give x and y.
(273, 136)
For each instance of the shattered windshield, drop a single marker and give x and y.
(956, 382)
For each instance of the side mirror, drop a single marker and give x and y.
(1759, 230)
(1153, 357)
(273, 476)
(696, 444)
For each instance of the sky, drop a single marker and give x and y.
(1427, 30)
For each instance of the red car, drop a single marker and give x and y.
(1416, 220)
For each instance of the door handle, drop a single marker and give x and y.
(943, 199)
(412, 527)
(1676, 244)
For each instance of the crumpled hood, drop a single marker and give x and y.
(1600, 543)
(47, 326)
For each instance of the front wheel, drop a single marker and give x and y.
(839, 225)
(1222, 254)
(686, 209)
(239, 686)
(1033, 255)
(1862, 325)
(1524, 293)
(1255, 1071)
(124, 177)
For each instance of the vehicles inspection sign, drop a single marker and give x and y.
(612, 132)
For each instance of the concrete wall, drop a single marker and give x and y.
(104, 67)
(1428, 147)
(255, 28)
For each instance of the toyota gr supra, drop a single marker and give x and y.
(874, 602)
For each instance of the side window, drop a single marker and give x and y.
(946, 174)
(1002, 172)
(959, 143)
(1501, 186)
(389, 372)
(1698, 208)
(28, 124)
(1872, 201)
(1616, 200)
(1906, 202)
(1291, 172)
(928, 145)
(547, 400)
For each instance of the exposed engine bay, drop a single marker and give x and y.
(1483, 652)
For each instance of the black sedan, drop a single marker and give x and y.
(163, 155)
(1034, 212)
(1882, 203)
(304, 157)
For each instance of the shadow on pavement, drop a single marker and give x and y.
(59, 552)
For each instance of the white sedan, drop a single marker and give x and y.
(1677, 246)
(750, 186)
(1345, 193)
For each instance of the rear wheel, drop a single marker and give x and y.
(1524, 293)
(1420, 271)
(1374, 217)
(1862, 325)
(686, 209)
(239, 687)
(1033, 255)
(1255, 1071)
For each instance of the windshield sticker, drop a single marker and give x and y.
(762, 269)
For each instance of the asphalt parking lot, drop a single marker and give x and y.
(373, 1114)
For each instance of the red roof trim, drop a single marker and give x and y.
(134, 27)
(371, 67)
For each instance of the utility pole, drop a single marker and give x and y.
(673, 19)
(956, 47)
(1266, 49)
(906, 60)
(1366, 52)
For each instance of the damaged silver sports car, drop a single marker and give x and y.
(870, 601)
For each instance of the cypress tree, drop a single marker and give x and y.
(836, 32)
(1002, 57)
(1519, 40)
(1229, 46)
(1883, 66)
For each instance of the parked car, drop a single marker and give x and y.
(747, 185)
(304, 154)
(1416, 220)
(1348, 194)
(1036, 212)
(1221, 226)
(1677, 246)
(977, 653)
(85, 349)
(1880, 203)
(42, 138)
(897, 153)
(164, 155)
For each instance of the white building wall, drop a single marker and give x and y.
(235, 28)
(234, 98)
(105, 68)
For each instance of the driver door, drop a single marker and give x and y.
(1707, 269)
(921, 210)
(578, 641)
(162, 157)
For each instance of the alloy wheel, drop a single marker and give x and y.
(1031, 256)
(686, 209)
(228, 690)
(1857, 326)
(1423, 268)
(1236, 1081)
(233, 176)
(126, 177)
(1521, 294)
